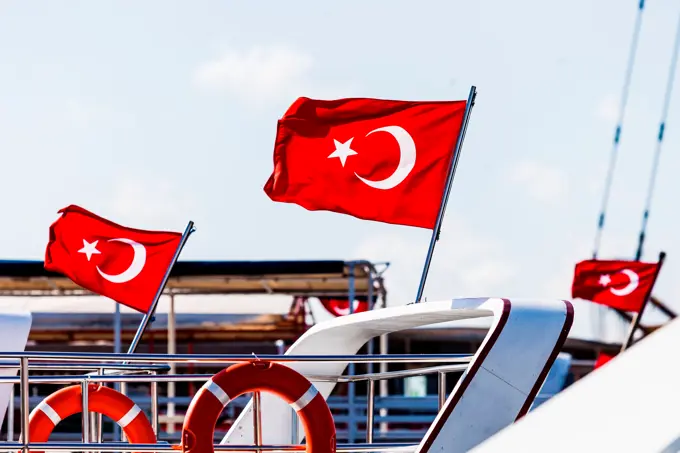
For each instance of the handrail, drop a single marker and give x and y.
(97, 378)
(85, 366)
(237, 358)
(110, 371)
(125, 447)
(392, 374)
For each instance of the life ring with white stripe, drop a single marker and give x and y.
(258, 376)
(102, 400)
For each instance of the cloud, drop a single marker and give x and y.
(259, 74)
(465, 264)
(541, 181)
(263, 75)
(152, 204)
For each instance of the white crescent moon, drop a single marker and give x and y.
(407, 159)
(630, 287)
(138, 262)
(345, 311)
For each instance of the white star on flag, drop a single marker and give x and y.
(343, 150)
(605, 280)
(89, 249)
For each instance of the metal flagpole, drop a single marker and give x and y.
(638, 316)
(117, 328)
(659, 143)
(149, 314)
(371, 306)
(617, 131)
(351, 389)
(447, 190)
(383, 383)
(600, 311)
(172, 349)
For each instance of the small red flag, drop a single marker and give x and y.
(369, 158)
(602, 358)
(618, 284)
(340, 307)
(121, 263)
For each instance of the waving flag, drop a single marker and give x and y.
(124, 264)
(623, 285)
(369, 158)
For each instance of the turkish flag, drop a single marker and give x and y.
(370, 158)
(623, 285)
(340, 307)
(602, 358)
(121, 263)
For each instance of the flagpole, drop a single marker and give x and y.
(638, 316)
(659, 143)
(619, 127)
(447, 190)
(149, 314)
(116, 328)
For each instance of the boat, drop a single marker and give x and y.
(498, 384)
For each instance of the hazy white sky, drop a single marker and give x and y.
(153, 113)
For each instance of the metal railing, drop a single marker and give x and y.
(107, 447)
(145, 368)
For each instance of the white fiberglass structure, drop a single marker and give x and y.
(498, 387)
(629, 405)
(15, 328)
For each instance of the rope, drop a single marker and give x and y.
(659, 142)
(617, 131)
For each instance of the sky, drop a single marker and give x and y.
(154, 113)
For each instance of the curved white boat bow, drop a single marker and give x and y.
(498, 387)
(626, 406)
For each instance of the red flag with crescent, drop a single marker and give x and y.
(373, 159)
(121, 263)
(623, 285)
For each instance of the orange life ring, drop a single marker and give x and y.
(103, 400)
(199, 424)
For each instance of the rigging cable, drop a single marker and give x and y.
(617, 131)
(659, 142)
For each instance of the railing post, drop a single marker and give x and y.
(294, 428)
(154, 404)
(384, 390)
(98, 420)
(123, 390)
(441, 389)
(24, 404)
(257, 420)
(370, 395)
(86, 410)
(10, 416)
(93, 427)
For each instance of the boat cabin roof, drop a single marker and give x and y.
(301, 278)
